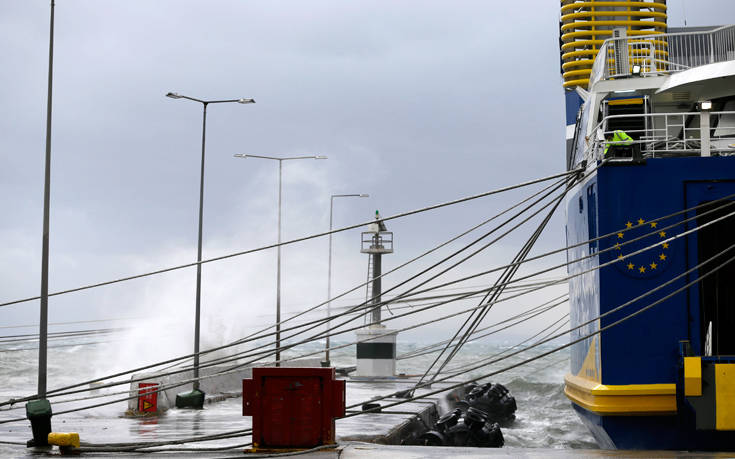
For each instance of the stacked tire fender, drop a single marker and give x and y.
(476, 420)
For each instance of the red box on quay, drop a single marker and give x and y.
(293, 407)
(147, 397)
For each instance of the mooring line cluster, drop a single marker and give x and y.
(562, 280)
(505, 288)
(176, 385)
(255, 336)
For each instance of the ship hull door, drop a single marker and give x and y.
(711, 302)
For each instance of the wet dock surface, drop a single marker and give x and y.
(107, 424)
(357, 450)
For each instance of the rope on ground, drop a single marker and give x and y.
(132, 446)
(290, 453)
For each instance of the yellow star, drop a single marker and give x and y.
(654, 224)
(641, 221)
(653, 265)
(629, 225)
(665, 245)
(642, 269)
(620, 257)
(662, 257)
(631, 266)
(620, 235)
(662, 233)
(617, 246)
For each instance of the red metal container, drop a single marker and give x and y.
(147, 397)
(293, 407)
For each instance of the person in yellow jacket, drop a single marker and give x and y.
(615, 138)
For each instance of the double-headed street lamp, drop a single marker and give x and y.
(278, 272)
(204, 103)
(329, 271)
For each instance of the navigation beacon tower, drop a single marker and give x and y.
(376, 346)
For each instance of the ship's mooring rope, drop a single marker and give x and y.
(59, 335)
(595, 319)
(437, 346)
(529, 360)
(540, 343)
(492, 295)
(556, 326)
(166, 387)
(564, 279)
(255, 335)
(252, 338)
(124, 382)
(141, 446)
(301, 239)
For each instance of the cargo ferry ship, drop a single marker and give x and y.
(651, 122)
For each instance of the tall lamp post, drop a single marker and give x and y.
(329, 271)
(278, 272)
(39, 411)
(195, 399)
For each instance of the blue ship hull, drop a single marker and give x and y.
(628, 382)
(652, 432)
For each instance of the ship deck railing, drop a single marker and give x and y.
(704, 133)
(661, 54)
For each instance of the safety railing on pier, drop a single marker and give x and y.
(662, 53)
(668, 134)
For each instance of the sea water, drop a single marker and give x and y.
(544, 418)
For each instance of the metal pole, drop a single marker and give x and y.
(704, 132)
(329, 270)
(199, 253)
(329, 281)
(43, 323)
(377, 284)
(278, 269)
(278, 275)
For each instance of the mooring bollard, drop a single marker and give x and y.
(293, 407)
(39, 413)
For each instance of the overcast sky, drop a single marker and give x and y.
(414, 102)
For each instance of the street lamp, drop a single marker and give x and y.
(329, 271)
(278, 273)
(204, 103)
(41, 421)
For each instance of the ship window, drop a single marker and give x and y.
(581, 204)
(592, 217)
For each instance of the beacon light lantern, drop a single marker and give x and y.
(636, 69)
(706, 105)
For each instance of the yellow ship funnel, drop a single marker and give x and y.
(586, 24)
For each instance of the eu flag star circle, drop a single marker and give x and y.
(637, 235)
